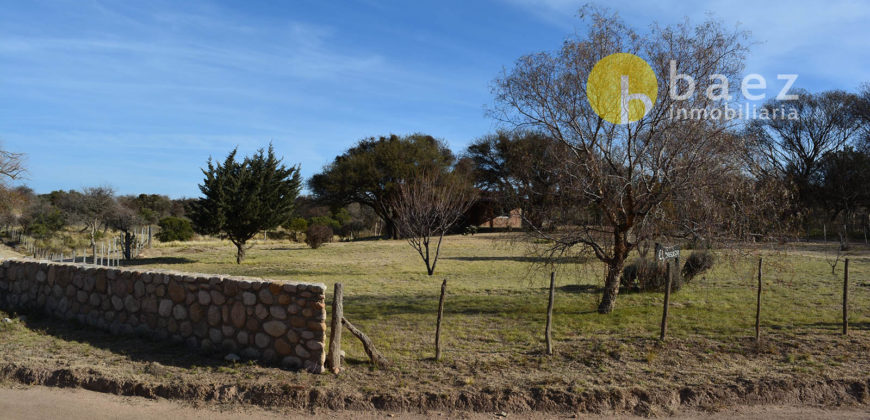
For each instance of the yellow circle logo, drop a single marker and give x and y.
(622, 88)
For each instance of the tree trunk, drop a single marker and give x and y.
(548, 330)
(94, 243)
(240, 252)
(611, 287)
(614, 274)
(128, 246)
(390, 228)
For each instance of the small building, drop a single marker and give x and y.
(513, 220)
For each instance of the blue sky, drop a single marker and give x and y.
(138, 95)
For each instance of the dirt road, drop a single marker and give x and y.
(75, 404)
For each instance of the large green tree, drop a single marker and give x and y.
(242, 198)
(518, 169)
(369, 172)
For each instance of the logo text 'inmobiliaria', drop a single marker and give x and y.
(622, 88)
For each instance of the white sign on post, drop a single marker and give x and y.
(667, 252)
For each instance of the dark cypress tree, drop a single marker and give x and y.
(243, 198)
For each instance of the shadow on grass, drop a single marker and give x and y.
(373, 307)
(156, 261)
(836, 326)
(580, 288)
(536, 260)
(136, 348)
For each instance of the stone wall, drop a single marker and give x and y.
(280, 323)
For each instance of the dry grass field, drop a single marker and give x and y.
(493, 334)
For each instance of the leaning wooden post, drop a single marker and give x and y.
(438, 324)
(375, 356)
(333, 358)
(548, 332)
(846, 297)
(667, 302)
(758, 304)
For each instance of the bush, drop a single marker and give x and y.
(174, 229)
(697, 263)
(296, 226)
(643, 275)
(317, 235)
(325, 221)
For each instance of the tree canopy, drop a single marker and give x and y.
(242, 198)
(368, 172)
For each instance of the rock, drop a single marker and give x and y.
(231, 288)
(117, 303)
(237, 315)
(7, 320)
(131, 304)
(232, 357)
(242, 338)
(275, 328)
(215, 335)
(179, 312)
(278, 312)
(165, 308)
(196, 312)
(283, 347)
(251, 353)
(149, 304)
(302, 352)
(139, 288)
(266, 296)
(214, 316)
(204, 297)
(218, 298)
(176, 292)
(261, 311)
(249, 299)
(186, 329)
(314, 345)
(262, 340)
(291, 362)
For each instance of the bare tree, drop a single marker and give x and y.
(793, 148)
(619, 180)
(125, 220)
(11, 165)
(92, 207)
(427, 206)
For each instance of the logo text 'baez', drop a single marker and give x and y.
(622, 88)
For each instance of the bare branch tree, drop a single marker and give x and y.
(11, 165)
(427, 206)
(619, 183)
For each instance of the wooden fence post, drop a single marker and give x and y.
(440, 316)
(333, 358)
(846, 297)
(667, 302)
(548, 332)
(758, 304)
